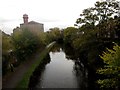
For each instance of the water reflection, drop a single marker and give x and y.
(64, 71)
(81, 73)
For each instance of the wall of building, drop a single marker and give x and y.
(33, 27)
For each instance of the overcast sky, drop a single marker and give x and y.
(52, 13)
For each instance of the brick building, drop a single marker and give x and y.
(32, 25)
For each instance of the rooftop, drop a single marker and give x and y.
(31, 22)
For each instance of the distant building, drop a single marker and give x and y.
(32, 25)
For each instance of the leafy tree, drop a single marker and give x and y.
(103, 10)
(25, 43)
(106, 9)
(88, 16)
(6, 48)
(69, 34)
(6, 43)
(109, 28)
(42, 38)
(111, 69)
(55, 33)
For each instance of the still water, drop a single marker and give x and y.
(62, 72)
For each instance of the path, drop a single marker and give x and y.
(13, 78)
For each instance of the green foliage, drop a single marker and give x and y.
(69, 34)
(25, 43)
(106, 9)
(97, 29)
(49, 38)
(6, 48)
(112, 68)
(103, 10)
(85, 38)
(109, 28)
(39, 61)
(6, 43)
(112, 57)
(22, 44)
(88, 17)
(42, 38)
(55, 33)
(95, 24)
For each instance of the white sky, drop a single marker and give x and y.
(52, 13)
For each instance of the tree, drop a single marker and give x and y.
(6, 43)
(106, 9)
(69, 34)
(111, 69)
(88, 16)
(55, 33)
(103, 10)
(6, 48)
(25, 43)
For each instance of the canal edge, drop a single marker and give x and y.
(25, 80)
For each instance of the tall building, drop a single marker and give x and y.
(32, 25)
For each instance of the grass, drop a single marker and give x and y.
(25, 80)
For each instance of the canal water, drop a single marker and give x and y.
(63, 72)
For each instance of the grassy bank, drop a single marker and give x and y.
(25, 81)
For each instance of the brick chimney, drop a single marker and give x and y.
(25, 18)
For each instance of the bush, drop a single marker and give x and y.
(111, 70)
(25, 43)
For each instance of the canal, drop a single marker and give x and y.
(62, 70)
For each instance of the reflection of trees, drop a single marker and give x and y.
(70, 52)
(81, 74)
(79, 67)
(56, 48)
(84, 73)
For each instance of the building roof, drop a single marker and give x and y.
(32, 22)
(25, 15)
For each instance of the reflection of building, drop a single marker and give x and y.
(32, 25)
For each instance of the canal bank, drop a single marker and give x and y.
(23, 72)
(24, 83)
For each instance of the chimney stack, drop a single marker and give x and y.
(25, 18)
